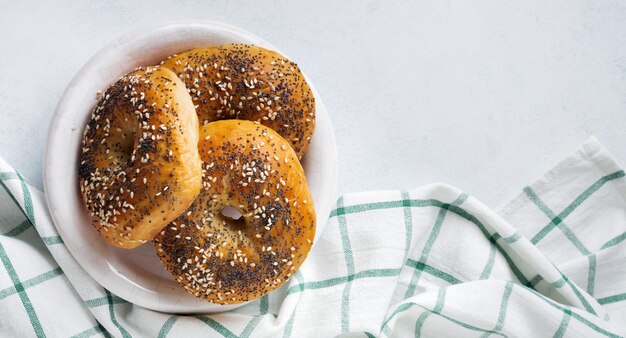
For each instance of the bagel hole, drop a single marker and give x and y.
(122, 131)
(231, 213)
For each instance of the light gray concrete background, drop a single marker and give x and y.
(484, 95)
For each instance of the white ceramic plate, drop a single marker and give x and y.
(137, 275)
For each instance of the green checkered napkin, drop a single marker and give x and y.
(430, 262)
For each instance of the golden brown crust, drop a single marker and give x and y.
(139, 166)
(251, 168)
(248, 82)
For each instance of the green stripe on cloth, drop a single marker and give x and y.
(435, 203)
(52, 240)
(563, 309)
(506, 295)
(406, 306)
(19, 229)
(345, 307)
(462, 324)
(341, 280)
(358, 208)
(28, 201)
(28, 306)
(560, 331)
(612, 299)
(591, 278)
(247, 331)
(92, 332)
(264, 304)
(433, 271)
(582, 197)
(419, 323)
(399, 309)
(408, 223)
(441, 300)
(614, 241)
(28, 210)
(219, 328)
(377, 206)
(430, 242)
(579, 295)
(167, 326)
(6, 292)
(534, 281)
(7, 175)
(31, 282)
(123, 331)
(513, 238)
(386, 330)
(17, 204)
(434, 233)
(347, 252)
(490, 262)
(105, 333)
(554, 221)
(289, 325)
(87, 333)
(514, 268)
(572, 206)
(558, 284)
(95, 302)
(509, 240)
(252, 323)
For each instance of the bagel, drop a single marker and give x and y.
(139, 165)
(248, 82)
(251, 168)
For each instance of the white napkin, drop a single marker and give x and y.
(426, 262)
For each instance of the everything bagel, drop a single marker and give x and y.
(248, 82)
(139, 165)
(253, 169)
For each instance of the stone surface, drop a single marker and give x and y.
(483, 95)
